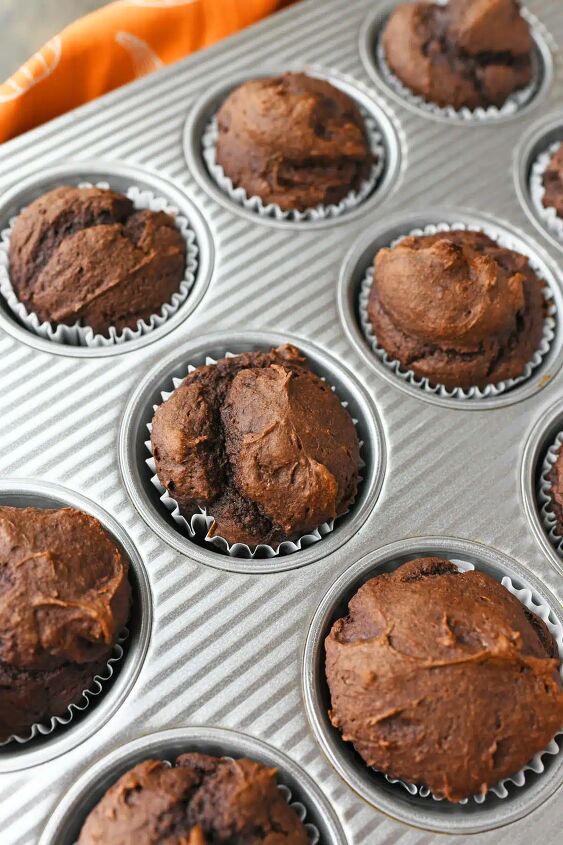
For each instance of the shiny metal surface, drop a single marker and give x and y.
(225, 647)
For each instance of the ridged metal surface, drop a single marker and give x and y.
(226, 648)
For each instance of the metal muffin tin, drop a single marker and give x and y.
(226, 642)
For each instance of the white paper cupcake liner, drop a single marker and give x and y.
(536, 764)
(300, 810)
(548, 215)
(439, 389)
(78, 334)
(548, 517)
(99, 682)
(320, 212)
(200, 524)
(513, 104)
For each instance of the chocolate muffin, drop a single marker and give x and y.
(261, 442)
(293, 140)
(198, 800)
(553, 182)
(555, 476)
(64, 598)
(443, 678)
(87, 254)
(457, 308)
(468, 53)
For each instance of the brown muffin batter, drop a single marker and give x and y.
(64, 598)
(199, 800)
(443, 679)
(86, 254)
(553, 183)
(456, 308)
(469, 53)
(294, 141)
(261, 442)
(556, 477)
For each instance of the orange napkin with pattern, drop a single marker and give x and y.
(114, 45)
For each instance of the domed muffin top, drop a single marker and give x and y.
(64, 589)
(553, 182)
(457, 308)
(260, 441)
(467, 53)
(443, 678)
(200, 799)
(556, 478)
(293, 140)
(87, 254)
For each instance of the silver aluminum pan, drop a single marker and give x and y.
(225, 646)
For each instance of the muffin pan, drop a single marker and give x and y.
(28, 493)
(535, 142)
(226, 635)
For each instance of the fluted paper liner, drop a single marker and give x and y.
(471, 393)
(200, 524)
(548, 216)
(535, 605)
(97, 687)
(320, 212)
(545, 499)
(81, 335)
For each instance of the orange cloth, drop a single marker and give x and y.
(114, 45)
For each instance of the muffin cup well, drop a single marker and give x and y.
(301, 791)
(95, 689)
(472, 393)
(374, 60)
(536, 764)
(78, 334)
(548, 216)
(519, 794)
(255, 204)
(107, 692)
(547, 514)
(201, 523)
